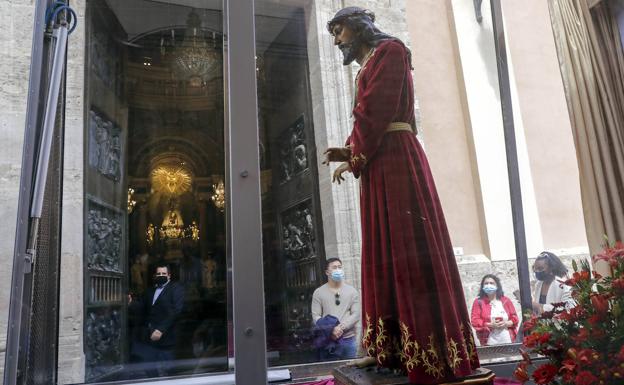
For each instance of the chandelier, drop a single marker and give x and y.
(218, 195)
(195, 60)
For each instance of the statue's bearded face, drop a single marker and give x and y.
(347, 41)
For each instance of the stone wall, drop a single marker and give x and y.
(71, 356)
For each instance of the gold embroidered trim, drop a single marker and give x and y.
(366, 337)
(454, 358)
(469, 346)
(413, 354)
(409, 355)
(383, 351)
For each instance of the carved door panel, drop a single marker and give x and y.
(105, 216)
(300, 229)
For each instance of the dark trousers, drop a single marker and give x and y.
(156, 361)
(344, 349)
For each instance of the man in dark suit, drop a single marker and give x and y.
(162, 305)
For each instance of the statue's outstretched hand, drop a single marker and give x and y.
(336, 154)
(344, 167)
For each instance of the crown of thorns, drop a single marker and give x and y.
(348, 12)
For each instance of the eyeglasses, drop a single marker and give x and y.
(337, 299)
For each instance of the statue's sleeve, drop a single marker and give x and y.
(379, 98)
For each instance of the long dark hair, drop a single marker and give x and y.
(499, 287)
(556, 266)
(362, 23)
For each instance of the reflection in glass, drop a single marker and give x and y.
(306, 219)
(493, 315)
(156, 263)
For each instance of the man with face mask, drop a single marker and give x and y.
(337, 305)
(415, 317)
(162, 305)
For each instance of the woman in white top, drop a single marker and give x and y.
(548, 289)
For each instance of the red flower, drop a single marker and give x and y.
(568, 377)
(587, 356)
(544, 374)
(531, 340)
(585, 378)
(544, 338)
(600, 304)
(578, 276)
(568, 366)
(530, 323)
(569, 316)
(612, 255)
(618, 284)
(595, 319)
(581, 337)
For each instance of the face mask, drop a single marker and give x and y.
(337, 275)
(541, 275)
(489, 288)
(160, 280)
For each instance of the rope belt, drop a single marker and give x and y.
(399, 126)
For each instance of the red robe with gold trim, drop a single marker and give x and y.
(413, 308)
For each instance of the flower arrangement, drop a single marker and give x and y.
(583, 345)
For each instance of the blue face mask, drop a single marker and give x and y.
(337, 275)
(489, 288)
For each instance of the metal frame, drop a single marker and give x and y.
(21, 281)
(512, 155)
(243, 174)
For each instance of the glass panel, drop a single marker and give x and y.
(403, 253)
(481, 218)
(155, 264)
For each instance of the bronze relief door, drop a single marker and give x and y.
(291, 215)
(105, 204)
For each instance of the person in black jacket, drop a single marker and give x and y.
(162, 305)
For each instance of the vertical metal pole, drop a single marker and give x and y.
(59, 37)
(245, 202)
(512, 156)
(19, 281)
